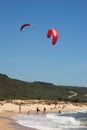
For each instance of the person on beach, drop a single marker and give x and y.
(19, 108)
(59, 111)
(28, 113)
(38, 109)
(44, 109)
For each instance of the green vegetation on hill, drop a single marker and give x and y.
(17, 89)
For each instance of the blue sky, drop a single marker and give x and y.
(29, 55)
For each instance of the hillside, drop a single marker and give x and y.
(17, 89)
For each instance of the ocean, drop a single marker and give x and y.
(69, 120)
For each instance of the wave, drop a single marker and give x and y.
(63, 120)
(53, 121)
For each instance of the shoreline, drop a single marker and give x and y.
(17, 126)
(6, 123)
(10, 109)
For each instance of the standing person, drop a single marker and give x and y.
(59, 111)
(28, 113)
(19, 108)
(44, 109)
(38, 110)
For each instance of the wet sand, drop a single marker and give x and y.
(19, 127)
(8, 124)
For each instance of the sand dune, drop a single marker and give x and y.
(18, 106)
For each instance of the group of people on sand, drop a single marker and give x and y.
(44, 110)
(37, 109)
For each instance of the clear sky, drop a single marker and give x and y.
(29, 55)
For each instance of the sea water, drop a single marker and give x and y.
(71, 120)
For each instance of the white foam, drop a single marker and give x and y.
(51, 121)
(63, 120)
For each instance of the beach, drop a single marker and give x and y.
(6, 123)
(11, 108)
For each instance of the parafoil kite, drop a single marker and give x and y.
(25, 25)
(54, 33)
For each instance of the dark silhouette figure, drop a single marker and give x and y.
(28, 113)
(38, 109)
(19, 108)
(59, 111)
(44, 109)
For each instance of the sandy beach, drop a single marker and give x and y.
(13, 107)
(6, 123)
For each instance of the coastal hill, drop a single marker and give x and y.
(17, 89)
